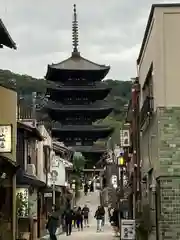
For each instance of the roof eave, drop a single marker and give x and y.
(108, 129)
(101, 68)
(88, 109)
(9, 43)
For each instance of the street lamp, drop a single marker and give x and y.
(121, 164)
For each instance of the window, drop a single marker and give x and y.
(147, 108)
(147, 90)
(46, 158)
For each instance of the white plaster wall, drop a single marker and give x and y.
(47, 141)
(58, 166)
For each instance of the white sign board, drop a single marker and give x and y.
(46, 195)
(124, 138)
(114, 179)
(5, 138)
(127, 229)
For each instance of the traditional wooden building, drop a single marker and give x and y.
(78, 100)
(8, 165)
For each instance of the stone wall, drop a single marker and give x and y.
(169, 173)
(169, 141)
(169, 208)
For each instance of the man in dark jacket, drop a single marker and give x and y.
(52, 223)
(68, 216)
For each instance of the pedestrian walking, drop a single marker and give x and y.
(92, 186)
(115, 222)
(52, 223)
(79, 219)
(74, 217)
(85, 212)
(103, 216)
(86, 189)
(98, 215)
(68, 216)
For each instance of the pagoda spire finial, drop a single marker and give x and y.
(75, 39)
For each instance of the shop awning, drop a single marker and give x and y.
(6, 164)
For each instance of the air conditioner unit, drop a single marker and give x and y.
(31, 169)
(30, 122)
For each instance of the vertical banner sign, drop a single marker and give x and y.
(124, 138)
(5, 138)
(127, 229)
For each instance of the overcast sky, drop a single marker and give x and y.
(110, 33)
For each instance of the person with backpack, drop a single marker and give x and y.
(85, 212)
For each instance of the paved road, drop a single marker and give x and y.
(89, 234)
(92, 200)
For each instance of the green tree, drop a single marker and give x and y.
(78, 163)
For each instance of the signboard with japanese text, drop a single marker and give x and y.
(127, 229)
(5, 138)
(124, 138)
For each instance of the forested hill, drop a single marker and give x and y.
(118, 97)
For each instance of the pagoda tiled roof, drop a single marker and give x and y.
(93, 149)
(5, 38)
(97, 106)
(77, 62)
(96, 131)
(96, 86)
(82, 128)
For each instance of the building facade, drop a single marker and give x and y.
(8, 166)
(158, 74)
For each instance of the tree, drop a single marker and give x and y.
(78, 163)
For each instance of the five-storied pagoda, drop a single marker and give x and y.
(78, 100)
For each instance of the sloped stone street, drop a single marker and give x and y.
(92, 200)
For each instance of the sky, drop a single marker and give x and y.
(110, 32)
